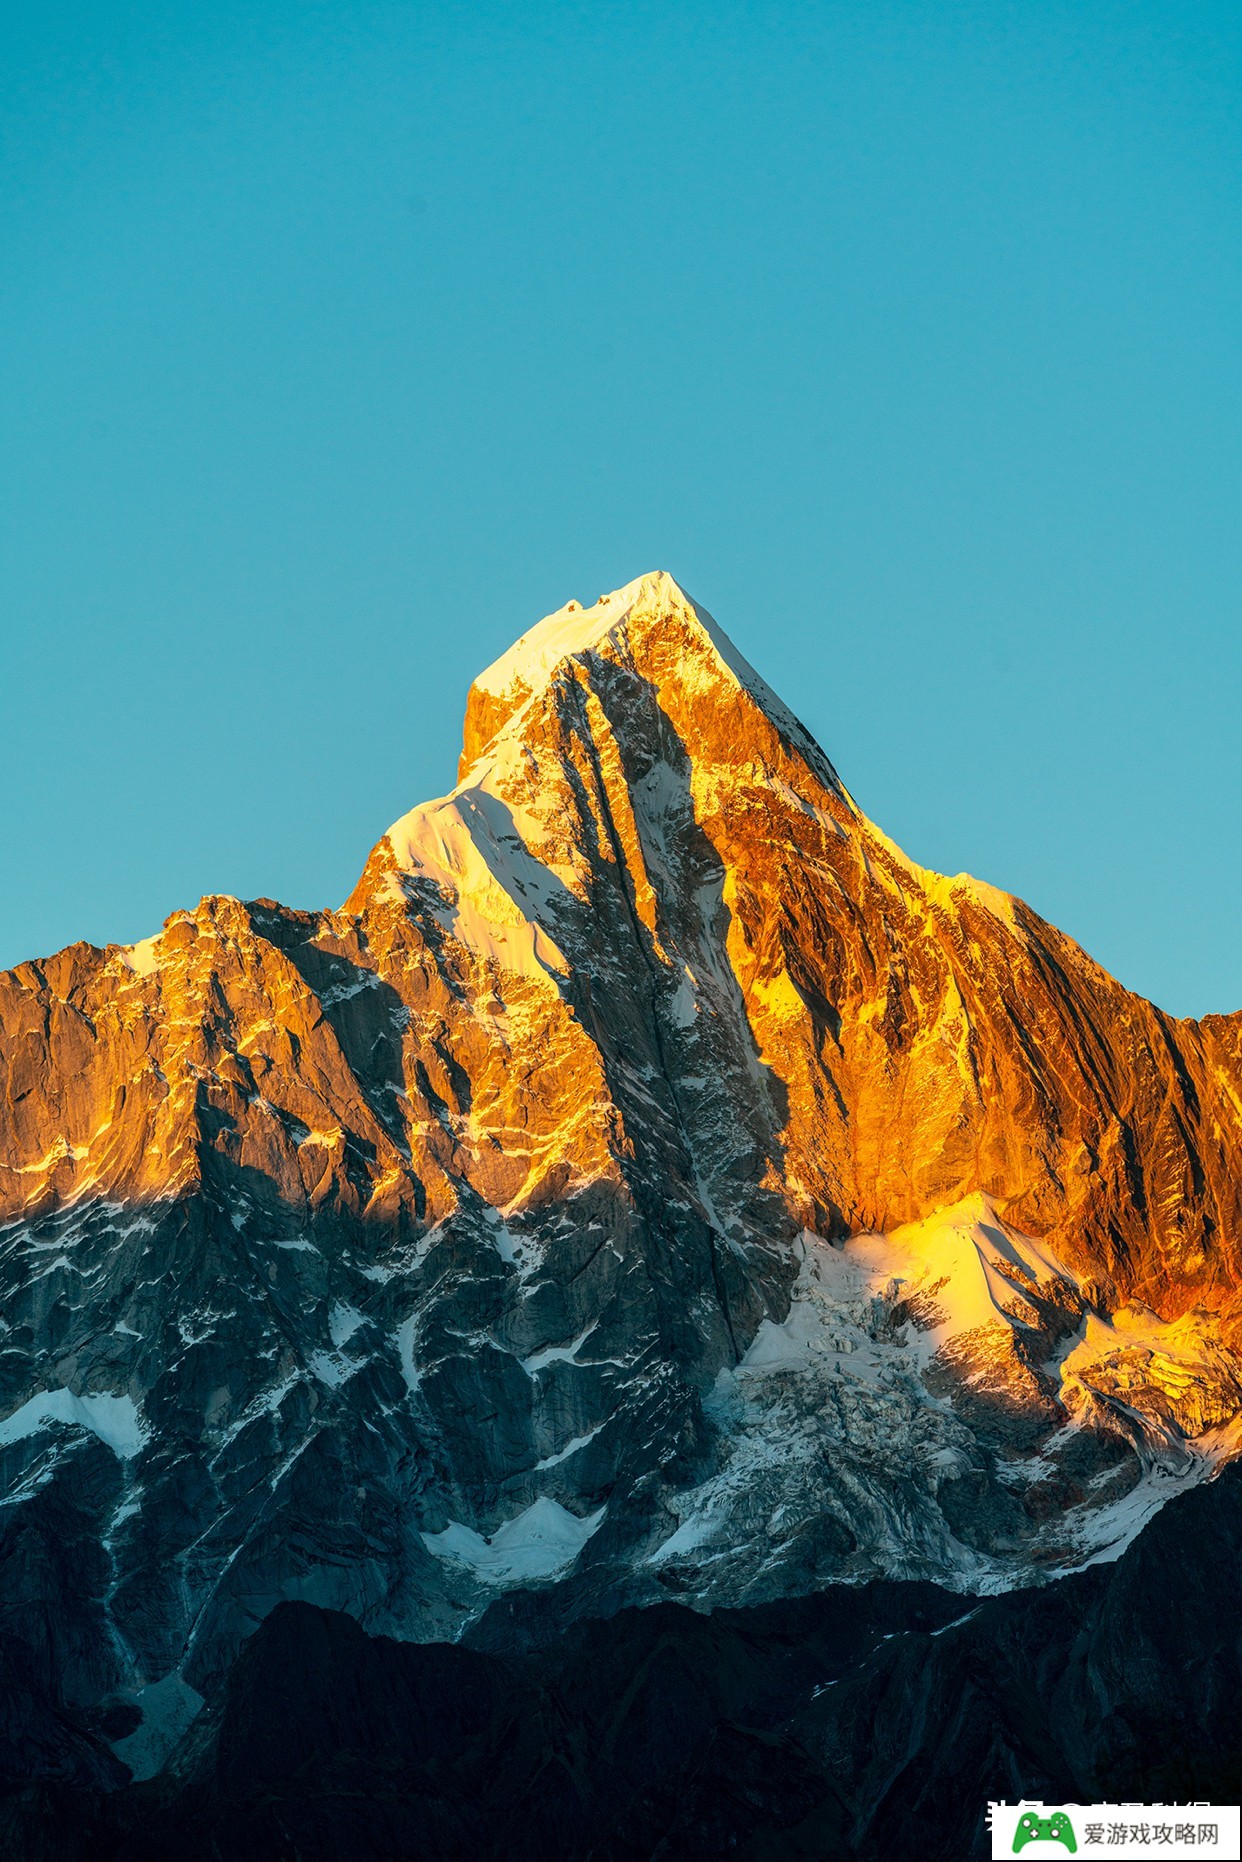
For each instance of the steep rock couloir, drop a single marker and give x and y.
(650, 1181)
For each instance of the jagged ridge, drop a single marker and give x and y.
(489, 1230)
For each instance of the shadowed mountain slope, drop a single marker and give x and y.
(850, 1726)
(649, 1183)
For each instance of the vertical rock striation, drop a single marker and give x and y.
(649, 1181)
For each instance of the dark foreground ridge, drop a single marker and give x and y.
(869, 1724)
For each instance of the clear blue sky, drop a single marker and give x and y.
(340, 342)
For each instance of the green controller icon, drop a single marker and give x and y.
(1054, 1829)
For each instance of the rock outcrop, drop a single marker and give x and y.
(650, 1182)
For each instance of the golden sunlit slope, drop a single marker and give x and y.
(573, 1104)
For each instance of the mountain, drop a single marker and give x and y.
(793, 1729)
(649, 1184)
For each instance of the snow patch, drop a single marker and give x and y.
(684, 1007)
(487, 881)
(343, 1322)
(966, 1266)
(570, 1448)
(404, 1339)
(169, 1707)
(114, 1419)
(345, 992)
(333, 1369)
(143, 958)
(267, 1403)
(539, 1543)
(531, 660)
(556, 1354)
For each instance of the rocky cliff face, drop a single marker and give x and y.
(649, 1182)
(855, 1726)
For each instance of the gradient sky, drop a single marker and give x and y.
(338, 343)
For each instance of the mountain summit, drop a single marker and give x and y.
(651, 622)
(649, 1181)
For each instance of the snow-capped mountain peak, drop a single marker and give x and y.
(650, 1171)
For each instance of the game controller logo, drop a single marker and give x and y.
(1054, 1829)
